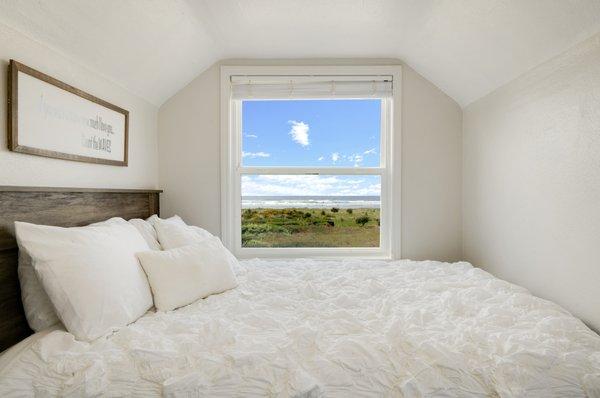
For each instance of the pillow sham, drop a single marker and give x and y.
(172, 235)
(147, 231)
(153, 219)
(204, 234)
(91, 274)
(146, 228)
(39, 312)
(183, 275)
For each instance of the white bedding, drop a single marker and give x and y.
(335, 329)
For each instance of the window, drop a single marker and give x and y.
(307, 166)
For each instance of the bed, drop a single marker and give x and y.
(308, 328)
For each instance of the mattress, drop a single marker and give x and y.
(308, 328)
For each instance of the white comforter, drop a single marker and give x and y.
(335, 329)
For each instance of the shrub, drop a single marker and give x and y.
(307, 215)
(253, 243)
(349, 211)
(362, 220)
(256, 229)
(323, 212)
(249, 213)
(334, 209)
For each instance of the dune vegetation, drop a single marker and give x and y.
(301, 227)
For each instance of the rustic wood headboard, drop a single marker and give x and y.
(65, 207)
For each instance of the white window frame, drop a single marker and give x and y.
(389, 170)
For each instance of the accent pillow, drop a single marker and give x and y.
(39, 312)
(172, 235)
(90, 274)
(183, 275)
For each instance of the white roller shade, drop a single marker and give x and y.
(298, 87)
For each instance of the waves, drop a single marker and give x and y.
(310, 202)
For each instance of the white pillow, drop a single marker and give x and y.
(183, 275)
(91, 274)
(172, 235)
(147, 231)
(153, 219)
(204, 234)
(146, 228)
(39, 312)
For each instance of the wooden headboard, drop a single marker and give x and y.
(65, 207)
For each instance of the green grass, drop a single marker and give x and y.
(310, 227)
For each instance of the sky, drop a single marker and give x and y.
(313, 133)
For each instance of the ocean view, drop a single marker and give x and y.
(315, 209)
(310, 202)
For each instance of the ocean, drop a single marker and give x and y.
(310, 202)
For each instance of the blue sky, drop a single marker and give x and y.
(311, 133)
(317, 133)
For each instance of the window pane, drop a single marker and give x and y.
(310, 211)
(314, 133)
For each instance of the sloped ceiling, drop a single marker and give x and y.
(155, 47)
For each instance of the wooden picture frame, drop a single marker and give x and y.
(76, 120)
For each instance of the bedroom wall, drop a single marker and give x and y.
(189, 155)
(21, 169)
(532, 181)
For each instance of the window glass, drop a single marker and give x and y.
(310, 210)
(311, 133)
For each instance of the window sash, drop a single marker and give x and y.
(382, 251)
(384, 138)
(385, 239)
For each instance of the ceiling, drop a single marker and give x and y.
(153, 48)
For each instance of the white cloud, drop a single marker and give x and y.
(310, 185)
(370, 152)
(299, 132)
(321, 158)
(356, 158)
(253, 155)
(250, 136)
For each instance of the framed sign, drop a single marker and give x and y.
(50, 118)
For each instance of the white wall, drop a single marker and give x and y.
(189, 153)
(21, 169)
(431, 171)
(532, 181)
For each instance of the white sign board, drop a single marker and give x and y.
(51, 118)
